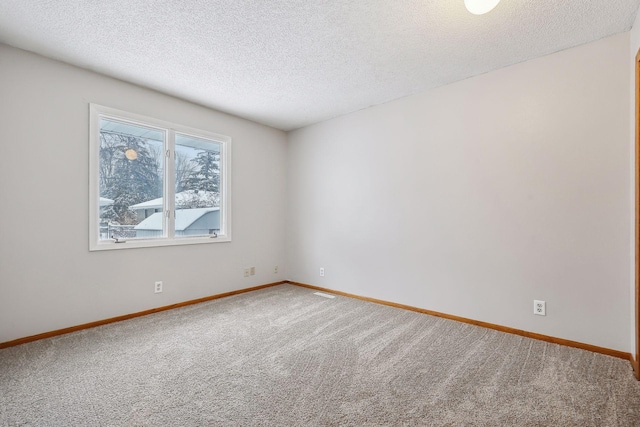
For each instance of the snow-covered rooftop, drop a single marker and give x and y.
(105, 202)
(184, 218)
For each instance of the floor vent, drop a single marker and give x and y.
(322, 294)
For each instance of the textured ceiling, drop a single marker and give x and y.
(288, 63)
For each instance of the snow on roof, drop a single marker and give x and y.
(150, 204)
(105, 202)
(181, 197)
(184, 218)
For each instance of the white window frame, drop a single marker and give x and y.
(96, 112)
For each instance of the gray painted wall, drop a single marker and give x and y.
(48, 278)
(476, 198)
(472, 199)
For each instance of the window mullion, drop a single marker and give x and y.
(169, 183)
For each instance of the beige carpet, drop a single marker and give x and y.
(283, 356)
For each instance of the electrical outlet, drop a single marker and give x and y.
(158, 287)
(321, 271)
(247, 271)
(275, 270)
(539, 308)
(253, 271)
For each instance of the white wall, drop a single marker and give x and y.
(476, 198)
(48, 277)
(472, 199)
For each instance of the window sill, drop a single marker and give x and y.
(108, 245)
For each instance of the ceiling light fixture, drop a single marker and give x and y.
(480, 7)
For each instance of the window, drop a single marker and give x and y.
(154, 183)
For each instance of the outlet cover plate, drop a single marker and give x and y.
(539, 308)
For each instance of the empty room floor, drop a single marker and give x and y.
(285, 356)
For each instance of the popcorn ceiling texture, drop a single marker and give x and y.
(291, 63)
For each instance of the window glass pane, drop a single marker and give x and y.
(197, 186)
(131, 184)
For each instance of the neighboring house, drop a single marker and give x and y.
(105, 202)
(189, 222)
(146, 209)
(104, 229)
(184, 198)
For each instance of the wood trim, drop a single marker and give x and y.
(547, 338)
(130, 316)
(637, 214)
(615, 353)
